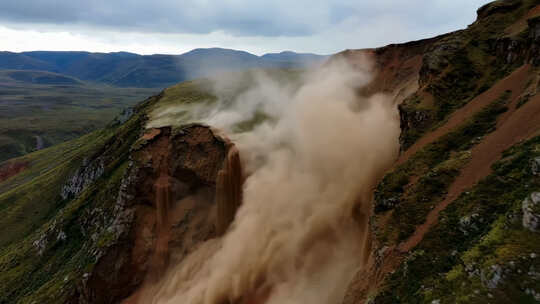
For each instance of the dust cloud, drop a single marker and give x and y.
(312, 154)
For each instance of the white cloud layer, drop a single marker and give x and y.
(173, 27)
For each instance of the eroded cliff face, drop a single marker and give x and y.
(182, 187)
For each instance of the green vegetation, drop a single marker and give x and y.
(189, 101)
(52, 242)
(436, 167)
(479, 237)
(44, 109)
(459, 67)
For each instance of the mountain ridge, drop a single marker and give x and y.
(126, 69)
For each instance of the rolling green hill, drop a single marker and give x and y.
(50, 97)
(149, 71)
(39, 109)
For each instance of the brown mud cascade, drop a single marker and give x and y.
(168, 199)
(228, 189)
(160, 258)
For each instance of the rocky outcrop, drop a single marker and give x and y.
(535, 166)
(182, 187)
(531, 212)
(89, 172)
(495, 7)
(533, 55)
(411, 119)
(437, 57)
(49, 237)
(126, 114)
(522, 48)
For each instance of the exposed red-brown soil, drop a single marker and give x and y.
(521, 24)
(168, 204)
(396, 67)
(150, 134)
(513, 127)
(11, 168)
(194, 187)
(514, 82)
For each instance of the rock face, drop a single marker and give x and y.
(531, 212)
(535, 166)
(521, 49)
(83, 177)
(534, 38)
(182, 187)
(497, 7)
(123, 117)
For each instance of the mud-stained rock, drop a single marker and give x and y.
(169, 202)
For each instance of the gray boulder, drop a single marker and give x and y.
(535, 166)
(531, 212)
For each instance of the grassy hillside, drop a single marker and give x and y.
(49, 97)
(479, 252)
(451, 219)
(39, 109)
(47, 247)
(57, 232)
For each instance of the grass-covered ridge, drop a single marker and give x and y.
(54, 242)
(432, 170)
(479, 252)
(197, 100)
(460, 66)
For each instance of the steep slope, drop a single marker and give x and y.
(91, 220)
(476, 104)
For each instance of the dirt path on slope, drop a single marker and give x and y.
(518, 125)
(514, 82)
(512, 126)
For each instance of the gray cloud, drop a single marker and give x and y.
(238, 17)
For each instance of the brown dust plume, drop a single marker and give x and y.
(301, 232)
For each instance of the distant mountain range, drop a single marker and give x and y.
(148, 71)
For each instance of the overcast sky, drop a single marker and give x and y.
(177, 26)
